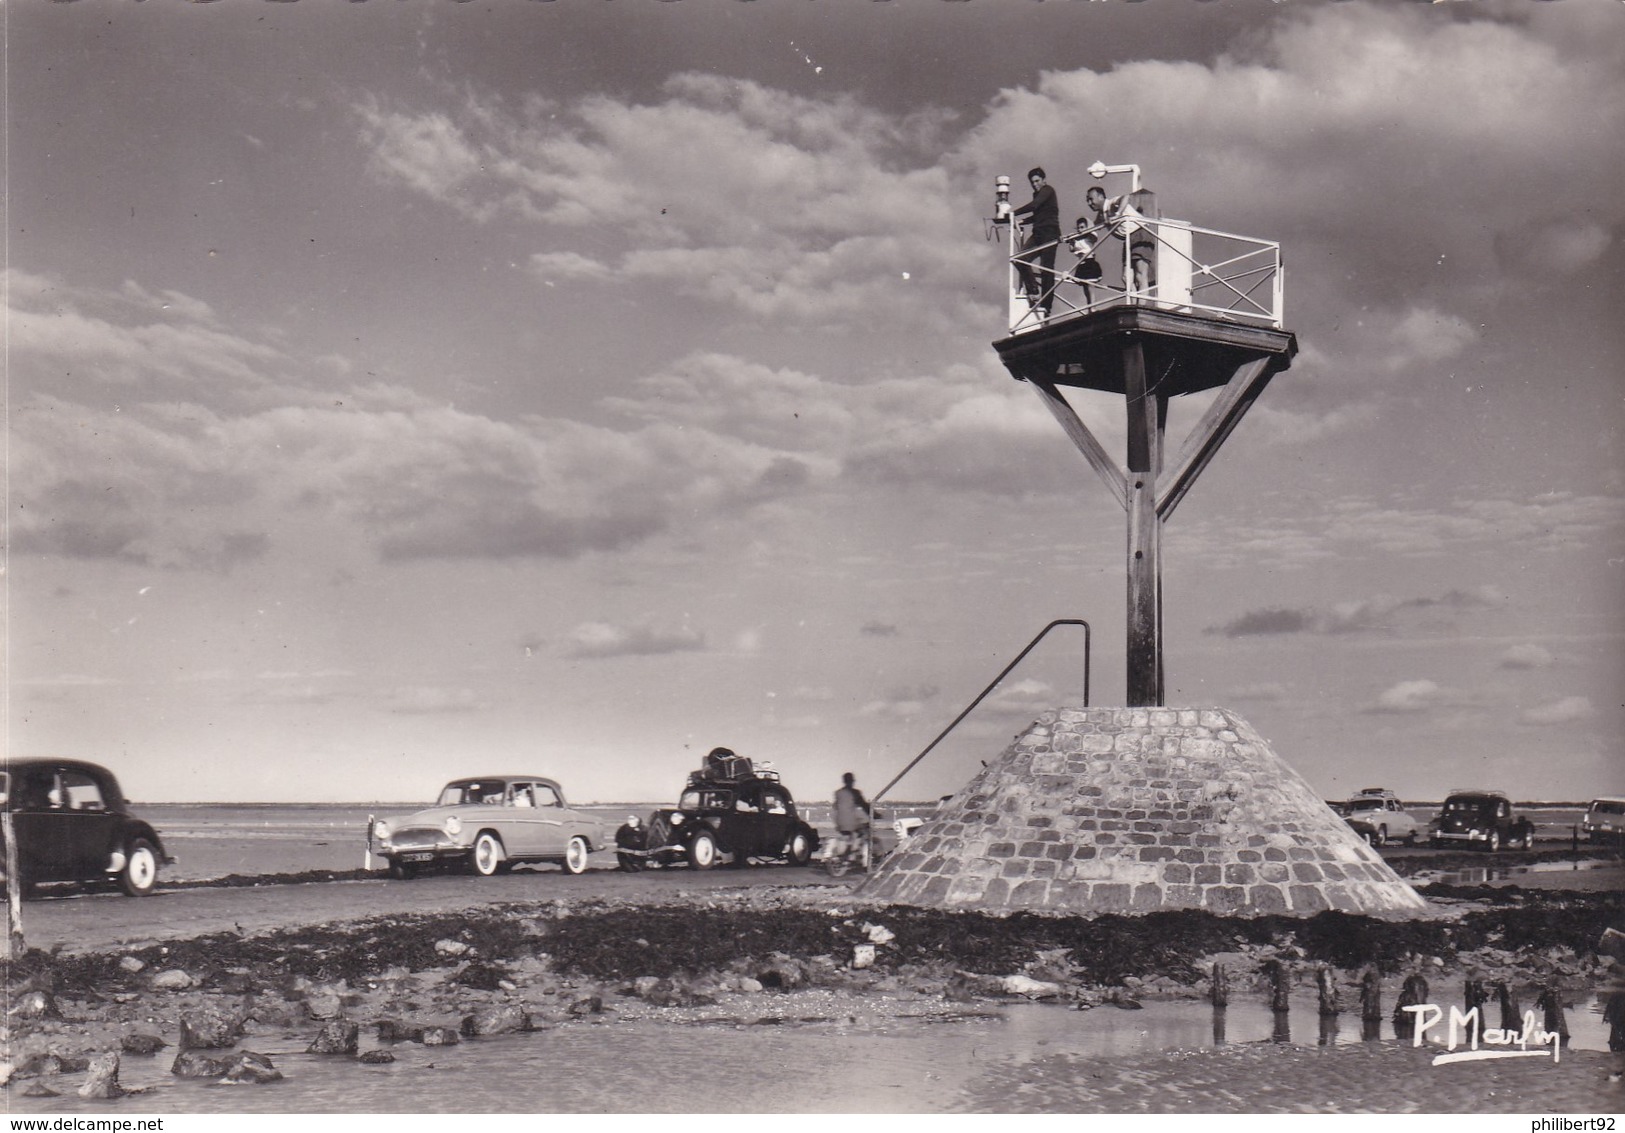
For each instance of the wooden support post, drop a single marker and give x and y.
(13, 946)
(1147, 416)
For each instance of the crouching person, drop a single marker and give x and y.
(631, 840)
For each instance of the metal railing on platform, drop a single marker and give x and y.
(1189, 269)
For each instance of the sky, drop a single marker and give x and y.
(399, 391)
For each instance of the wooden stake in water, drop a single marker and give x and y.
(1281, 981)
(1371, 994)
(13, 944)
(1220, 989)
(1326, 981)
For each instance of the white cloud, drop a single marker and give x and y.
(1564, 710)
(1409, 696)
(1526, 655)
(602, 639)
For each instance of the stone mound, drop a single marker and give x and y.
(1128, 810)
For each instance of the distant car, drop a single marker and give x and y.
(73, 824)
(1482, 820)
(749, 814)
(1377, 815)
(488, 824)
(1604, 820)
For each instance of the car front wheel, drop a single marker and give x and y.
(403, 871)
(702, 851)
(799, 851)
(1380, 838)
(1494, 843)
(575, 855)
(140, 871)
(487, 854)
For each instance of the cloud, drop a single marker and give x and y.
(598, 640)
(1565, 710)
(1408, 697)
(877, 629)
(901, 703)
(1526, 655)
(1269, 692)
(434, 700)
(1363, 616)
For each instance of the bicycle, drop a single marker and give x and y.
(847, 851)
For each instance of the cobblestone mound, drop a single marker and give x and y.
(1127, 810)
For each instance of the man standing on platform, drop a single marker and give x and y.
(1036, 263)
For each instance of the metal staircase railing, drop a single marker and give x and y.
(1031, 645)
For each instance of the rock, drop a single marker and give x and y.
(191, 1064)
(643, 985)
(102, 1081)
(439, 1036)
(879, 934)
(41, 1065)
(591, 1005)
(35, 1004)
(237, 982)
(395, 1031)
(376, 1058)
(338, 1037)
(6, 1071)
(209, 1027)
(863, 955)
(450, 947)
(1029, 987)
(131, 965)
(40, 1090)
(142, 1044)
(497, 1021)
(172, 980)
(748, 984)
(1612, 944)
(323, 1004)
(250, 1069)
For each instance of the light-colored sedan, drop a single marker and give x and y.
(489, 823)
(1380, 818)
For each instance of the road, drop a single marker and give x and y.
(105, 921)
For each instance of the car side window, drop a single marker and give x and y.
(80, 792)
(522, 796)
(547, 796)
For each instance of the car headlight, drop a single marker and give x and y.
(453, 825)
(380, 830)
(676, 820)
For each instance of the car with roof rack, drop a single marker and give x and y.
(731, 807)
(1377, 815)
(1480, 819)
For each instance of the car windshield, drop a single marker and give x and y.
(1365, 804)
(1465, 806)
(471, 792)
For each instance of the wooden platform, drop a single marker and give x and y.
(1183, 353)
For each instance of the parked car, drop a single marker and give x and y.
(488, 824)
(1377, 815)
(1604, 820)
(1481, 819)
(749, 814)
(72, 824)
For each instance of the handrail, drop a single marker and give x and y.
(1031, 645)
(1222, 273)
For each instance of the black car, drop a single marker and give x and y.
(1482, 820)
(747, 814)
(72, 824)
